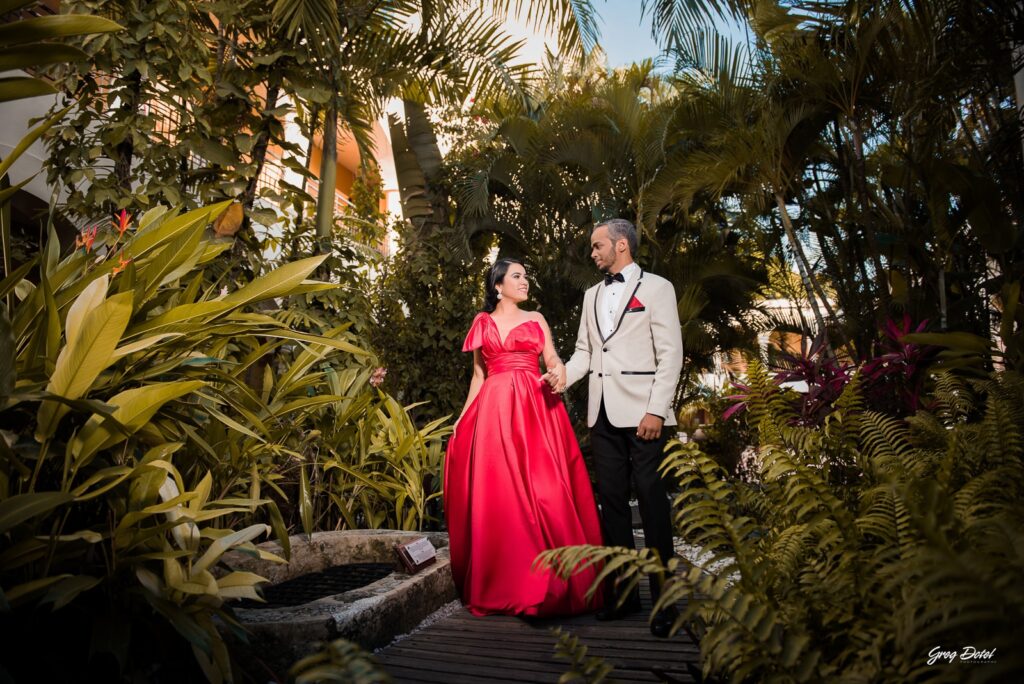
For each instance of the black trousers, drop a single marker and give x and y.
(620, 457)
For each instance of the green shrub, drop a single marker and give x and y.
(153, 420)
(870, 541)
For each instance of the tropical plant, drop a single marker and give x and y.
(878, 181)
(134, 137)
(893, 381)
(339, 661)
(140, 408)
(32, 45)
(590, 670)
(589, 150)
(857, 576)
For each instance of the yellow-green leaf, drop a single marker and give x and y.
(277, 283)
(81, 362)
(135, 408)
(21, 507)
(92, 296)
(222, 545)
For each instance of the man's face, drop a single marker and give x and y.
(602, 249)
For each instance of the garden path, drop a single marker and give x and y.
(463, 649)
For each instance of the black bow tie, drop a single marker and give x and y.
(610, 278)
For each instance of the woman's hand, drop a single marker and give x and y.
(556, 378)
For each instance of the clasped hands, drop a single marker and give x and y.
(555, 377)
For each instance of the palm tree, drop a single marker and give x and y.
(370, 52)
(592, 150)
(905, 184)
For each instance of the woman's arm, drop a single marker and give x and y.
(479, 375)
(555, 368)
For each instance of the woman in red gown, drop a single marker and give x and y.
(514, 481)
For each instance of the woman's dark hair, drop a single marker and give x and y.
(495, 276)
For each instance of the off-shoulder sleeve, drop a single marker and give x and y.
(475, 336)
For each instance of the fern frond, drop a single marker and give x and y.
(989, 494)
(805, 492)
(590, 670)
(886, 444)
(628, 566)
(1001, 431)
(954, 398)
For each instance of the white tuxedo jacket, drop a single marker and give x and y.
(636, 368)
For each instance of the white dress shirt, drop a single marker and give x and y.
(609, 298)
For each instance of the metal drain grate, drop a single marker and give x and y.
(334, 580)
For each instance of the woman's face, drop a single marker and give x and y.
(514, 286)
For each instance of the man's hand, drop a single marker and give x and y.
(556, 378)
(650, 427)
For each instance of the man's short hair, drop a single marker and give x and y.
(619, 228)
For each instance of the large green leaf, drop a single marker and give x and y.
(135, 408)
(305, 501)
(28, 589)
(959, 341)
(179, 253)
(92, 296)
(8, 370)
(67, 589)
(59, 26)
(240, 584)
(180, 315)
(277, 283)
(158, 233)
(219, 547)
(81, 362)
(22, 507)
(38, 54)
(22, 87)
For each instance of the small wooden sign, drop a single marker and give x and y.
(416, 555)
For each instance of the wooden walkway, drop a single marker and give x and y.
(463, 649)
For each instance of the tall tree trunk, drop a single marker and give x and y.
(417, 163)
(860, 176)
(328, 179)
(804, 266)
(259, 150)
(125, 150)
(300, 209)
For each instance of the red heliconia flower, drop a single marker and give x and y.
(124, 219)
(121, 265)
(86, 238)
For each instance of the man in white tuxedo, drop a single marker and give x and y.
(630, 348)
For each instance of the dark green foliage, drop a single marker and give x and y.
(585, 670)
(426, 299)
(339, 661)
(869, 542)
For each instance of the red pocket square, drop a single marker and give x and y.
(635, 303)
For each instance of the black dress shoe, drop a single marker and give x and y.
(611, 612)
(661, 624)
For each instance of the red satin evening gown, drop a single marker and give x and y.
(515, 484)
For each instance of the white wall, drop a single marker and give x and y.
(14, 118)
